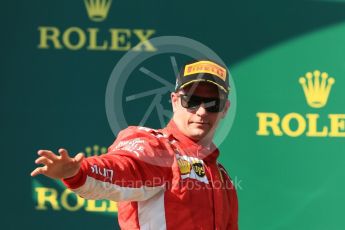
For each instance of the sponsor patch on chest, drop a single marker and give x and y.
(191, 167)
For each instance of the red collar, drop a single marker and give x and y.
(191, 147)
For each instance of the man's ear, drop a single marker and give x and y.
(226, 108)
(174, 100)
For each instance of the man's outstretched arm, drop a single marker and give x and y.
(134, 169)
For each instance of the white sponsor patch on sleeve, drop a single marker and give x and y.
(135, 146)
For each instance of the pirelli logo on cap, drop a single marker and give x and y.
(205, 67)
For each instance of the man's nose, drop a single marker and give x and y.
(201, 111)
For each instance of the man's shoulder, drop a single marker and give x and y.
(142, 141)
(141, 131)
(223, 170)
(140, 136)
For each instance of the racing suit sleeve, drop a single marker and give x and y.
(135, 168)
(231, 188)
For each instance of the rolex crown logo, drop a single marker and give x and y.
(95, 150)
(316, 87)
(97, 10)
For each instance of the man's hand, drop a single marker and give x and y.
(57, 166)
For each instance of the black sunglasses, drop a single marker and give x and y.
(212, 105)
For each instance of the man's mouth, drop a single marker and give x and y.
(200, 123)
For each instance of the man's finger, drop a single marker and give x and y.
(48, 154)
(63, 153)
(39, 170)
(43, 160)
(79, 157)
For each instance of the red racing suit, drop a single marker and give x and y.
(161, 179)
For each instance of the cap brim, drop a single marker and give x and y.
(204, 80)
